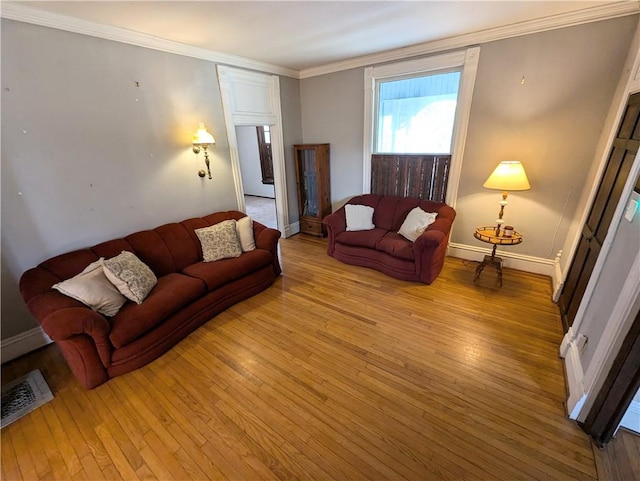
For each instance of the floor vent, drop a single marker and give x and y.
(23, 395)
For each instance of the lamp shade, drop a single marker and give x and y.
(508, 175)
(202, 137)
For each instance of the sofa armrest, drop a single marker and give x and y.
(64, 324)
(267, 238)
(336, 223)
(431, 238)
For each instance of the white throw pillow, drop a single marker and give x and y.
(416, 223)
(219, 241)
(130, 275)
(244, 229)
(359, 217)
(92, 288)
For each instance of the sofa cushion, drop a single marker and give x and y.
(171, 293)
(362, 238)
(149, 247)
(130, 275)
(183, 248)
(397, 246)
(386, 211)
(218, 273)
(92, 288)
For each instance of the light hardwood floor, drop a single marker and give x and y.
(334, 373)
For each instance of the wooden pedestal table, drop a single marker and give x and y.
(488, 235)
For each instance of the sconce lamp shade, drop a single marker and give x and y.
(508, 175)
(202, 137)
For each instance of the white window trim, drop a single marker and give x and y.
(468, 60)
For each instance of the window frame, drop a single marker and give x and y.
(464, 60)
(376, 112)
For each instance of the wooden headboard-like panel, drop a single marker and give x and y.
(421, 176)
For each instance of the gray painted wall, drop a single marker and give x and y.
(290, 105)
(88, 155)
(551, 124)
(332, 112)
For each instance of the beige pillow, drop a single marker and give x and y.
(359, 217)
(244, 229)
(416, 223)
(92, 288)
(219, 241)
(130, 275)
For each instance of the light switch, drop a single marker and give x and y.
(632, 206)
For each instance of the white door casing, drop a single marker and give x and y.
(253, 99)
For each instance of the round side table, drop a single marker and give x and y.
(488, 234)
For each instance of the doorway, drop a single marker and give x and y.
(257, 174)
(251, 99)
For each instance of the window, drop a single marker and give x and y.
(416, 115)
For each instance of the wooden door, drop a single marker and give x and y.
(623, 151)
(266, 157)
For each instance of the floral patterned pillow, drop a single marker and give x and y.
(220, 241)
(130, 275)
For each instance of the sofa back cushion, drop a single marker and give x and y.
(165, 249)
(390, 211)
(65, 266)
(181, 245)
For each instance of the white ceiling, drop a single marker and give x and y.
(306, 34)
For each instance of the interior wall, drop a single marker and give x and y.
(290, 106)
(96, 144)
(551, 123)
(249, 154)
(332, 112)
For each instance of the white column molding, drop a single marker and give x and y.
(252, 98)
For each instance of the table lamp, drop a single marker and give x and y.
(508, 175)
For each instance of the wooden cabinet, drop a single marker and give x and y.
(314, 192)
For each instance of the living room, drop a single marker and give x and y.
(97, 142)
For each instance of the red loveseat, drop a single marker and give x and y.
(188, 293)
(382, 248)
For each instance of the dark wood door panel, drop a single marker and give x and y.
(623, 152)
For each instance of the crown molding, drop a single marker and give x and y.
(594, 14)
(21, 13)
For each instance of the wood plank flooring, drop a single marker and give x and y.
(334, 373)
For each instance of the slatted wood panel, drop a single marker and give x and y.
(335, 373)
(421, 176)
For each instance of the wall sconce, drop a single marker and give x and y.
(201, 140)
(508, 175)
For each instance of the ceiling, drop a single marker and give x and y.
(303, 35)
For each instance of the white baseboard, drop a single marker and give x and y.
(536, 265)
(23, 343)
(575, 381)
(291, 229)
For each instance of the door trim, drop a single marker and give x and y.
(253, 99)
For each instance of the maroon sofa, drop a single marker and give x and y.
(383, 248)
(188, 293)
